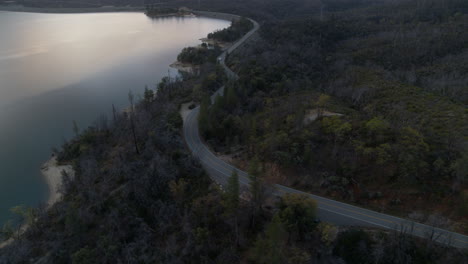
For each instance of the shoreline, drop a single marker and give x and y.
(52, 172)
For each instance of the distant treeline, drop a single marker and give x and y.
(274, 9)
(153, 11)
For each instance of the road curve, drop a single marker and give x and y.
(328, 210)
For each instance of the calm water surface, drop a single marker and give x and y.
(56, 68)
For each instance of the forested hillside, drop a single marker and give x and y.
(365, 105)
(138, 197)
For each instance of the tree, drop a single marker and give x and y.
(132, 121)
(174, 120)
(131, 99)
(231, 96)
(76, 130)
(412, 156)
(460, 168)
(232, 201)
(255, 187)
(148, 96)
(270, 248)
(203, 116)
(232, 192)
(321, 103)
(354, 247)
(83, 256)
(251, 132)
(328, 233)
(338, 128)
(297, 212)
(114, 113)
(210, 83)
(178, 190)
(377, 129)
(218, 105)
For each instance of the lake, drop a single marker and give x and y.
(56, 68)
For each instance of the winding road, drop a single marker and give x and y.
(329, 210)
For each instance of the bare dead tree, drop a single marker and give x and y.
(132, 121)
(114, 113)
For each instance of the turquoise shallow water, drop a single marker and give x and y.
(56, 68)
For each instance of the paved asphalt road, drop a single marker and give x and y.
(329, 210)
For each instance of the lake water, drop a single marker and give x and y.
(56, 68)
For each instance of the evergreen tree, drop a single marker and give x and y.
(132, 121)
(148, 95)
(321, 103)
(232, 192)
(82, 256)
(297, 212)
(270, 249)
(76, 129)
(255, 187)
(460, 168)
(255, 184)
(232, 202)
(203, 117)
(231, 97)
(252, 135)
(218, 105)
(412, 156)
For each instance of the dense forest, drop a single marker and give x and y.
(366, 105)
(363, 101)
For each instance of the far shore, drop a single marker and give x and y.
(71, 10)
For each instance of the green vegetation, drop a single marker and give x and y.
(255, 186)
(297, 212)
(233, 192)
(270, 247)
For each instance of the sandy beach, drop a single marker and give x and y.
(185, 67)
(52, 172)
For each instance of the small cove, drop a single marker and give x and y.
(56, 68)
